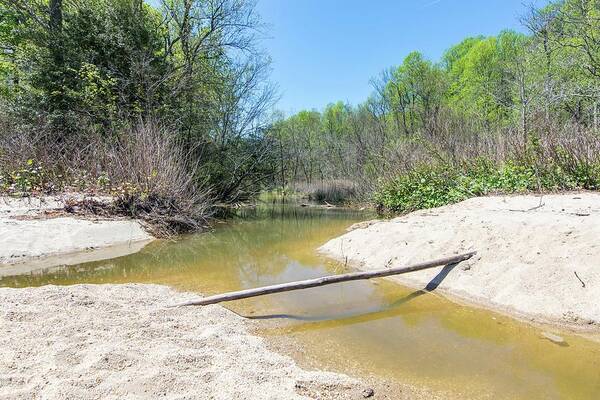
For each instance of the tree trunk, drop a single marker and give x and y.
(56, 24)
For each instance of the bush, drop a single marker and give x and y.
(424, 187)
(428, 186)
(156, 181)
(334, 191)
(28, 178)
(145, 170)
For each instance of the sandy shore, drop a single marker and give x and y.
(31, 230)
(119, 342)
(541, 263)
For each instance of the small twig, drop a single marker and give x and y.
(530, 209)
(541, 201)
(538, 206)
(577, 276)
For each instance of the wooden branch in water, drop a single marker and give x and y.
(325, 280)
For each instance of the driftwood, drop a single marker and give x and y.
(326, 280)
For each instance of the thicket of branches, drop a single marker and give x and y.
(79, 79)
(528, 99)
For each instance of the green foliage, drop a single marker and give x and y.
(430, 186)
(95, 92)
(489, 96)
(424, 187)
(415, 93)
(335, 118)
(76, 81)
(480, 75)
(29, 178)
(80, 75)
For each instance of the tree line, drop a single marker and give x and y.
(79, 73)
(169, 107)
(499, 97)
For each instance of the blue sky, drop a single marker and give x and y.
(328, 50)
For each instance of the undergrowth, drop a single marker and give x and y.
(34, 178)
(332, 191)
(146, 174)
(435, 185)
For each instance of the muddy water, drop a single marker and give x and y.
(373, 328)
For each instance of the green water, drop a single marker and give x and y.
(373, 328)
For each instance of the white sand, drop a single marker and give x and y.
(26, 234)
(526, 262)
(118, 342)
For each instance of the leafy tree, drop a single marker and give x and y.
(565, 34)
(415, 92)
(82, 69)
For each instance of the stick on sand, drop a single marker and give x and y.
(325, 280)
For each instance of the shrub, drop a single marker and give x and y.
(335, 191)
(428, 186)
(156, 181)
(145, 170)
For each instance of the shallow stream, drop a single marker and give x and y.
(372, 328)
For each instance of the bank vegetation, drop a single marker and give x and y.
(169, 109)
(163, 107)
(508, 113)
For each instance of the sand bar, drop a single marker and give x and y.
(31, 232)
(538, 259)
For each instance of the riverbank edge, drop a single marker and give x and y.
(332, 250)
(37, 233)
(543, 323)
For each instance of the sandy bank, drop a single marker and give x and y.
(118, 342)
(32, 230)
(540, 263)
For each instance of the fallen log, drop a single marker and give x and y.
(325, 280)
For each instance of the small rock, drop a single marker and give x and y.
(553, 338)
(368, 393)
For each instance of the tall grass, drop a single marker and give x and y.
(144, 169)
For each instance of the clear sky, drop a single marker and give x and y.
(328, 50)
